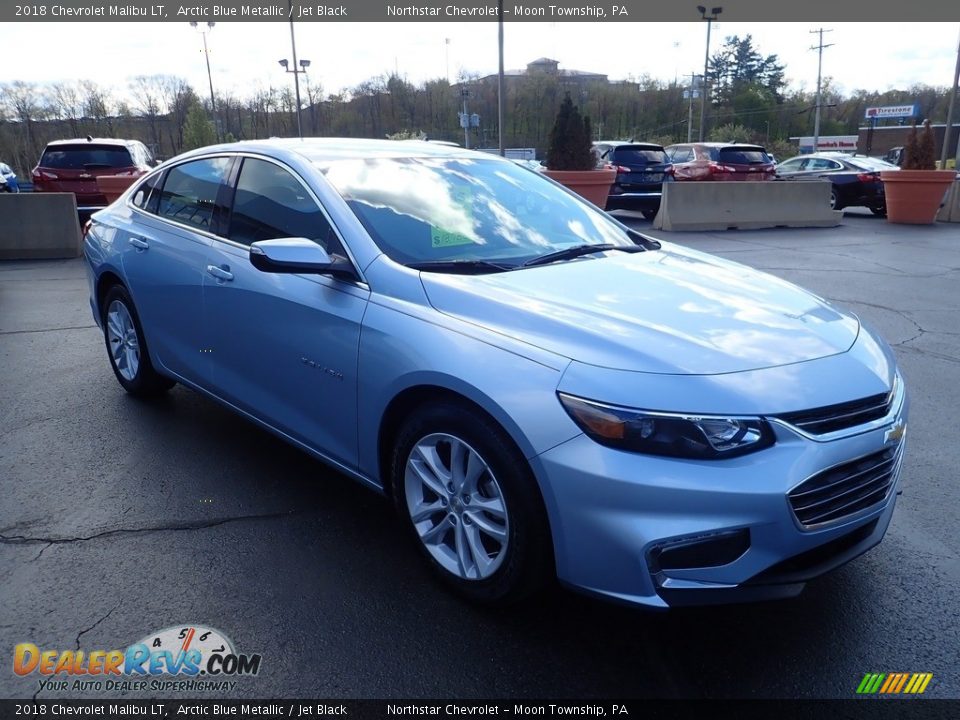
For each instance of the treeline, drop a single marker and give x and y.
(749, 101)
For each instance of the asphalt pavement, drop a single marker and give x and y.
(119, 518)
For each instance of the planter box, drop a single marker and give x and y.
(913, 196)
(592, 185)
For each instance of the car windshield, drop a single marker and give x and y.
(433, 210)
(739, 156)
(639, 156)
(85, 155)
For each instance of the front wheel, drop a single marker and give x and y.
(879, 211)
(649, 214)
(471, 504)
(127, 348)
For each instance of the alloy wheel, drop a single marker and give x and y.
(122, 339)
(457, 506)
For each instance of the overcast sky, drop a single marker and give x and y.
(243, 56)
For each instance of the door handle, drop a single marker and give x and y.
(219, 273)
(139, 243)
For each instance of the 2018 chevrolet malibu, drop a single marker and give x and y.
(541, 391)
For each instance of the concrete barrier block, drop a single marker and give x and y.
(36, 226)
(745, 205)
(950, 212)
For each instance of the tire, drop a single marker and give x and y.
(498, 520)
(649, 214)
(879, 211)
(834, 200)
(127, 348)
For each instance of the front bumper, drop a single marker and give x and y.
(614, 514)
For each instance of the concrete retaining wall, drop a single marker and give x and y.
(37, 226)
(745, 205)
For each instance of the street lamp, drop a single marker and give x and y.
(714, 13)
(303, 65)
(213, 105)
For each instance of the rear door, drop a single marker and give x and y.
(284, 347)
(164, 251)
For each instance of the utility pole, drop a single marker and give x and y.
(948, 130)
(714, 13)
(816, 121)
(501, 140)
(465, 120)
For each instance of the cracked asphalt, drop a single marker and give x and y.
(119, 517)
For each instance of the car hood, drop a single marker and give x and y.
(673, 311)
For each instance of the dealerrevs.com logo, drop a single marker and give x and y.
(180, 658)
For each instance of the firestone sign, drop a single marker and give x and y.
(892, 111)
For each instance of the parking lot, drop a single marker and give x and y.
(121, 518)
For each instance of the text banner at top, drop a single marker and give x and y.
(865, 11)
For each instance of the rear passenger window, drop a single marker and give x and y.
(147, 196)
(190, 191)
(271, 203)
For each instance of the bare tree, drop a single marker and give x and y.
(65, 97)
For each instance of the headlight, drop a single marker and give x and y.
(697, 437)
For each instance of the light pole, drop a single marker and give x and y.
(303, 65)
(696, 86)
(714, 13)
(206, 53)
(500, 139)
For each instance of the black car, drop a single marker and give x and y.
(642, 169)
(855, 178)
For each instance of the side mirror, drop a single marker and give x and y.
(300, 256)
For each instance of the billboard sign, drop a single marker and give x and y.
(892, 111)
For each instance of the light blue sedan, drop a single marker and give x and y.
(539, 390)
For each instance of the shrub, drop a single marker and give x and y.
(920, 151)
(570, 142)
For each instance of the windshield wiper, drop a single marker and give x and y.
(577, 251)
(462, 267)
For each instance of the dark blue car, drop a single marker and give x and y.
(642, 169)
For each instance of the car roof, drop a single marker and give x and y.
(92, 141)
(629, 143)
(325, 149)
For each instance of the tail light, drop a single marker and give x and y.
(621, 169)
(669, 170)
(867, 177)
(717, 168)
(86, 228)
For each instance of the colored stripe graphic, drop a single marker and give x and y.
(894, 683)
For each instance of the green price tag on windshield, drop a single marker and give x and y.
(462, 200)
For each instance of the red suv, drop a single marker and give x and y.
(720, 161)
(73, 166)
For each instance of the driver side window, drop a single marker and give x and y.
(271, 203)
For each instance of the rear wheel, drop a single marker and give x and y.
(467, 496)
(649, 214)
(127, 348)
(834, 201)
(879, 211)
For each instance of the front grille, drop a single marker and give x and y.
(831, 418)
(846, 489)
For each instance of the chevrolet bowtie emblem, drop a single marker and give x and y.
(896, 433)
